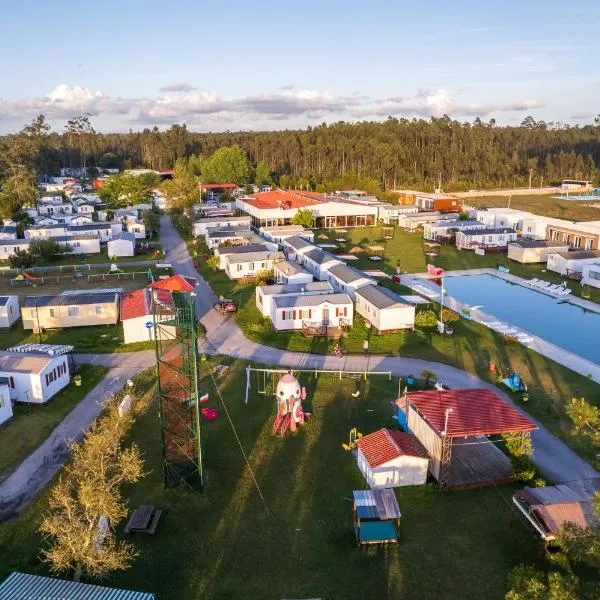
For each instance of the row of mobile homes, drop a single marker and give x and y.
(267, 293)
(383, 309)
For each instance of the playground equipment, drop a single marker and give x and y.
(210, 414)
(30, 279)
(514, 382)
(353, 437)
(289, 398)
(225, 306)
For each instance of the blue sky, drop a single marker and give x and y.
(272, 65)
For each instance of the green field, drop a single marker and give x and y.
(551, 385)
(31, 425)
(224, 544)
(97, 339)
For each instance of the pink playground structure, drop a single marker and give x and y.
(289, 398)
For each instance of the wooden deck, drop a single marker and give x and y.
(476, 464)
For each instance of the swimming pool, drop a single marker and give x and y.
(582, 198)
(563, 324)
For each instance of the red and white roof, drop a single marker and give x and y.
(135, 304)
(385, 445)
(175, 283)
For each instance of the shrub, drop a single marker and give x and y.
(426, 320)
(523, 468)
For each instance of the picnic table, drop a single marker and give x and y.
(144, 519)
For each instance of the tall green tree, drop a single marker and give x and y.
(124, 190)
(182, 191)
(226, 165)
(262, 175)
(19, 190)
(304, 218)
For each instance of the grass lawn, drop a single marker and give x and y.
(223, 544)
(551, 386)
(571, 210)
(31, 425)
(98, 339)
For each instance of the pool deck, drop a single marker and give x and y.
(421, 283)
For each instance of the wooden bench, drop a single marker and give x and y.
(143, 519)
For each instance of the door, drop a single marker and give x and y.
(325, 316)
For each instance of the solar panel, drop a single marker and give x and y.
(91, 291)
(49, 349)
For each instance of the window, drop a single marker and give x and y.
(98, 309)
(345, 311)
(73, 311)
(252, 266)
(490, 238)
(300, 314)
(565, 237)
(294, 317)
(76, 244)
(239, 267)
(32, 313)
(52, 312)
(594, 275)
(577, 241)
(283, 315)
(11, 382)
(310, 313)
(588, 243)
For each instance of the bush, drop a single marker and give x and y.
(523, 468)
(426, 320)
(213, 262)
(21, 259)
(449, 316)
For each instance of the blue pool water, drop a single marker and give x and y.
(565, 325)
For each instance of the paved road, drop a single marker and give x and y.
(38, 469)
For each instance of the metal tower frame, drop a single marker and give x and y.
(177, 364)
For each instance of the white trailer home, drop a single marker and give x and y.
(290, 272)
(9, 311)
(8, 232)
(121, 244)
(34, 376)
(445, 229)
(526, 250)
(266, 293)
(314, 312)
(224, 251)
(6, 411)
(485, 238)
(79, 244)
(571, 263)
(345, 279)
(384, 309)
(201, 226)
(238, 266)
(296, 247)
(590, 275)
(318, 262)
(391, 458)
(9, 247)
(278, 233)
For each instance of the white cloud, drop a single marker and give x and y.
(181, 102)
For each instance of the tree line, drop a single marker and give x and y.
(396, 153)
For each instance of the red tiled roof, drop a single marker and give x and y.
(219, 186)
(384, 445)
(281, 199)
(135, 304)
(474, 412)
(175, 283)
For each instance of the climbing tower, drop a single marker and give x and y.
(175, 335)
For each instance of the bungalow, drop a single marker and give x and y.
(242, 265)
(35, 375)
(122, 244)
(485, 238)
(6, 411)
(590, 275)
(315, 311)
(318, 262)
(9, 311)
(290, 272)
(70, 310)
(526, 250)
(445, 229)
(347, 279)
(391, 458)
(8, 232)
(585, 236)
(224, 251)
(9, 247)
(384, 309)
(201, 226)
(79, 244)
(296, 247)
(278, 233)
(136, 227)
(572, 263)
(266, 293)
(233, 235)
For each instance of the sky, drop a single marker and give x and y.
(263, 65)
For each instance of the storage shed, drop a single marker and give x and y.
(122, 244)
(384, 309)
(391, 458)
(9, 311)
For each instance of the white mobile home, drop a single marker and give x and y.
(391, 458)
(296, 247)
(571, 263)
(46, 231)
(278, 233)
(9, 311)
(103, 231)
(237, 236)
(242, 265)
(318, 262)
(344, 279)
(590, 275)
(485, 238)
(6, 411)
(9, 247)
(136, 227)
(224, 251)
(446, 228)
(122, 244)
(8, 232)
(79, 244)
(266, 293)
(201, 226)
(290, 272)
(384, 309)
(393, 213)
(319, 311)
(526, 250)
(34, 376)
(501, 218)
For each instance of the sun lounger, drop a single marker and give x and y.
(544, 284)
(565, 292)
(533, 281)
